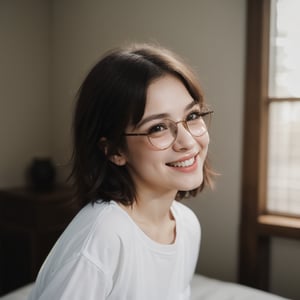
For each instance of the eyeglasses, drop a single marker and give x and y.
(163, 134)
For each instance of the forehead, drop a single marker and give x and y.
(166, 94)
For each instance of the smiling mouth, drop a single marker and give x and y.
(182, 164)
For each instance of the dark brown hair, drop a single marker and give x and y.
(112, 96)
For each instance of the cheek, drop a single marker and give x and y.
(138, 149)
(207, 138)
(204, 141)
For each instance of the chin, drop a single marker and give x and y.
(188, 187)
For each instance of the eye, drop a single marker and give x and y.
(157, 128)
(194, 115)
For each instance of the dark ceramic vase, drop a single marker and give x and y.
(42, 173)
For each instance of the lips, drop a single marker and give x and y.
(183, 163)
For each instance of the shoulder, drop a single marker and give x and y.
(183, 212)
(111, 238)
(109, 225)
(100, 219)
(186, 218)
(97, 239)
(98, 233)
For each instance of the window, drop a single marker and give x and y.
(271, 155)
(283, 189)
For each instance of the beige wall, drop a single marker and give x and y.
(24, 92)
(64, 38)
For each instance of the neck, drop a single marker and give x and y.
(154, 208)
(153, 211)
(154, 217)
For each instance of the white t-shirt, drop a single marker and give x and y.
(103, 254)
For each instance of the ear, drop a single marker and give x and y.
(118, 159)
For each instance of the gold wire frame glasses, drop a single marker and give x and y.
(163, 134)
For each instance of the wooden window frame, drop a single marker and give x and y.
(257, 226)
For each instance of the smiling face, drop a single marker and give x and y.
(179, 167)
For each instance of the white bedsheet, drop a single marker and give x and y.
(203, 288)
(19, 294)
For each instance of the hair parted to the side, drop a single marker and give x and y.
(112, 96)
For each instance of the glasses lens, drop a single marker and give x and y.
(198, 127)
(164, 138)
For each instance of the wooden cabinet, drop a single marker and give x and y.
(30, 223)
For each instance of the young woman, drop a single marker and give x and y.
(140, 142)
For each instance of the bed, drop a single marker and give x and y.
(203, 288)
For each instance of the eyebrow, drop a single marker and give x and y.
(163, 115)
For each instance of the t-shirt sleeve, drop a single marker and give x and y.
(79, 279)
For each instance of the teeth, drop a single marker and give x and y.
(182, 164)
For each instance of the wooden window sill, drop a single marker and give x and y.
(273, 225)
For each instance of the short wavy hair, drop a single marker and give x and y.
(112, 96)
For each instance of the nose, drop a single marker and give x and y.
(184, 139)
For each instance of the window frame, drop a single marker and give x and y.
(257, 226)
